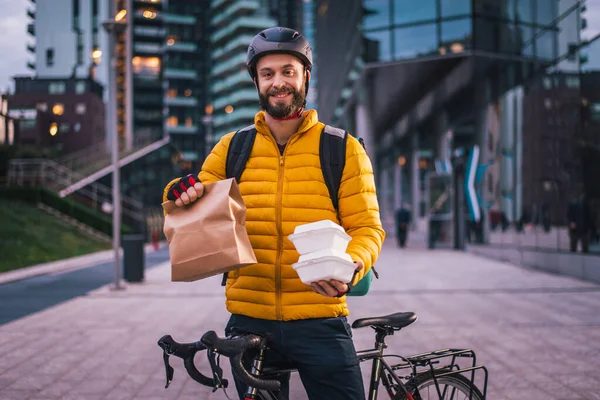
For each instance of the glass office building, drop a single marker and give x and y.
(518, 78)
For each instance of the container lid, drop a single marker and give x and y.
(320, 260)
(325, 253)
(314, 226)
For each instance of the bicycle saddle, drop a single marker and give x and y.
(397, 320)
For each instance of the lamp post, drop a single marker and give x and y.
(115, 27)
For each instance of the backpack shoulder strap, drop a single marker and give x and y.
(239, 152)
(332, 152)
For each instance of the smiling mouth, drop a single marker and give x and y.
(280, 95)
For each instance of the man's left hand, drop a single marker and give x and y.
(334, 288)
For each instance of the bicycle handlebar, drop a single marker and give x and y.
(233, 348)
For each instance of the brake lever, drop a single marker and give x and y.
(168, 369)
(217, 371)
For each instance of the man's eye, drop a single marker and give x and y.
(266, 75)
(289, 72)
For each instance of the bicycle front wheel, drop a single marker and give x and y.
(451, 387)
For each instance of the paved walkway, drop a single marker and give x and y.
(538, 334)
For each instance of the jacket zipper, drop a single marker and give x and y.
(279, 238)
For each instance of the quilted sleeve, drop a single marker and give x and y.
(213, 168)
(359, 209)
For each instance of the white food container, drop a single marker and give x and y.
(324, 253)
(319, 236)
(325, 268)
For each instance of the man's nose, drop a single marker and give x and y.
(278, 81)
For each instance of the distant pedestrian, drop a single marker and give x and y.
(402, 219)
(579, 217)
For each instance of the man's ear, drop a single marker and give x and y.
(307, 75)
(255, 80)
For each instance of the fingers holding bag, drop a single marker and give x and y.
(186, 190)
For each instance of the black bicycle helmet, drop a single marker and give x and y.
(278, 40)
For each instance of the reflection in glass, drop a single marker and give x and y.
(457, 31)
(406, 11)
(544, 44)
(450, 8)
(377, 14)
(415, 40)
(524, 10)
(492, 35)
(494, 8)
(525, 40)
(546, 14)
(379, 45)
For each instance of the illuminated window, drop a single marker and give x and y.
(80, 108)
(188, 121)
(146, 66)
(172, 121)
(53, 129)
(188, 92)
(42, 107)
(58, 109)
(172, 93)
(149, 14)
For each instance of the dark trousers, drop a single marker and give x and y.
(321, 349)
(576, 237)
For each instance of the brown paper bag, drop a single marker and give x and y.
(208, 237)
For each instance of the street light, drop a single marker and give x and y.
(115, 27)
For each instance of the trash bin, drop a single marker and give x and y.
(133, 258)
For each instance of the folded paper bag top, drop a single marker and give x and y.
(208, 237)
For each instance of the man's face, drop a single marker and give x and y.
(281, 84)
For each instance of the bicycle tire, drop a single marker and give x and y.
(457, 381)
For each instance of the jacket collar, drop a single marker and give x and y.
(311, 118)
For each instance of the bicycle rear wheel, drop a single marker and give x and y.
(452, 387)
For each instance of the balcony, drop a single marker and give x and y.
(31, 48)
(181, 101)
(181, 129)
(235, 63)
(238, 114)
(174, 73)
(236, 45)
(181, 46)
(148, 48)
(250, 23)
(179, 19)
(244, 95)
(149, 31)
(31, 13)
(238, 7)
(231, 82)
(215, 4)
(31, 65)
(31, 29)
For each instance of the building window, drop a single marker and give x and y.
(58, 109)
(415, 41)
(457, 31)
(452, 8)
(49, 57)
(377, 14)
(172, 121)
(547, 103)
(57, 88)
(378, 46)
(146, 66)
(80, 87)
(189, 121)
(64, 127)
(80, 108)
(77, 127)
(188, 92)
(26, 124)
(408, 11)
(2, 129)
(43, 107)
(172, 93)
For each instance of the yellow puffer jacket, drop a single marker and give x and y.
(282, 192)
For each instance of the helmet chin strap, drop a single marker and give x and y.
(293, 116)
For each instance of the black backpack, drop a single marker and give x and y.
(332, 152)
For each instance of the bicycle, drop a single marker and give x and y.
(427, 376)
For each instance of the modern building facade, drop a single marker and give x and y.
(421, 79)
(61, 115)
(234, 24)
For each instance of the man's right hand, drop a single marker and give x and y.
(185, 191)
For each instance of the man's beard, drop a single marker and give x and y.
(281, 109)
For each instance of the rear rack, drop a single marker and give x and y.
(424, 362)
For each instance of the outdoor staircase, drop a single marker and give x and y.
(81, 183)
(73, 222)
